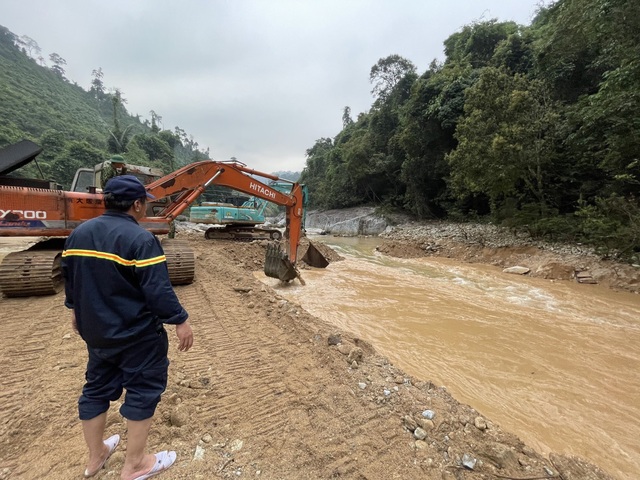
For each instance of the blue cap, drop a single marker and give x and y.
(126, 187)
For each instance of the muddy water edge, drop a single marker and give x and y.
(556, 363)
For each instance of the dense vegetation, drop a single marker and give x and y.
(75, 127)
(534, 127)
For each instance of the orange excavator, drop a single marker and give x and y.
(33, 208)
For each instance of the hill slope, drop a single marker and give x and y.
(77, 128)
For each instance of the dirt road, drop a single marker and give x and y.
(268, 391)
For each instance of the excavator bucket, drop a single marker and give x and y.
(277, 265)
(314, 258)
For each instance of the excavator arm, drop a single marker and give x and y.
(177, 191)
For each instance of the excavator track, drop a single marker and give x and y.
(242, 233)
(37, 271)
(181, 261)
(31, 272)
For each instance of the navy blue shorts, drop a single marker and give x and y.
(140, 368)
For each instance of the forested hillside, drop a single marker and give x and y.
(534, 127)
(75, 127)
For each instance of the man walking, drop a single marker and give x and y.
(117, 285)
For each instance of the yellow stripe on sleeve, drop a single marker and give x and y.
(150, 261)
(75, 252)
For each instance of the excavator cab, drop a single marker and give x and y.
(91, 180)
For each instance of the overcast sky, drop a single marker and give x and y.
(259, 80)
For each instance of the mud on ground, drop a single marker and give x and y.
(268, 391)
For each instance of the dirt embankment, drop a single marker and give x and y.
(268, 391)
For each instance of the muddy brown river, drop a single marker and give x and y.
(556, 363)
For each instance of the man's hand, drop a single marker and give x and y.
(74, 324)
(185, 335)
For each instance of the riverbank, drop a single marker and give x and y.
(498, 246)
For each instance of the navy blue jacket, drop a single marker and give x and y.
(117, 282)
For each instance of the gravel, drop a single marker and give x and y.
(484, 235)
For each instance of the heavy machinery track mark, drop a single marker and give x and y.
(26, 365)
(228, 351)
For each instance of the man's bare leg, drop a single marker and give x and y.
(136, 462)
(93, 430)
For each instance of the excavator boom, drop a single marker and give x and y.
(186, 184)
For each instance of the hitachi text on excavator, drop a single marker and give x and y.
(37, 208)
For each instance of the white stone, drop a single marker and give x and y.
(517, 270)
(199, 453)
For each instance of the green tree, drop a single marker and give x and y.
(476, 44)
(118, 138)
(314, 174)
(506, 141)
(39, 105)
(58, 64)
(346, 117)
(429, 121)
(76, 154)
(387, 73)
(515, 53)
(30, 45)
(155, 121)
(156, 149)
(97, 85)
(615, 111)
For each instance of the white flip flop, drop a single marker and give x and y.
(111, 442)
(164, 460)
